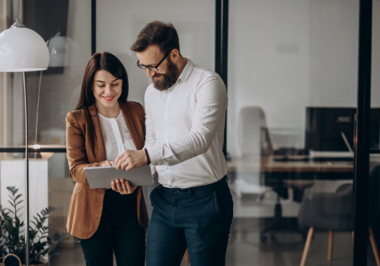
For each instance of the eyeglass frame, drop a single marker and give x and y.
(155, 68)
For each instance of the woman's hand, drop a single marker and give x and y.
(122, 186)
(107, 163)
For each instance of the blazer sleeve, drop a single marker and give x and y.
(76, 150)
(142, 118)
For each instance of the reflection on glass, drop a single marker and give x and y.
(292, 89)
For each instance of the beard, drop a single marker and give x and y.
(169, 78)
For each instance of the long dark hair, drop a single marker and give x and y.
(101, 61)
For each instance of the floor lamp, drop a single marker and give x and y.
(23, 50)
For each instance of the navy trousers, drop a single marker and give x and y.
(197, 218)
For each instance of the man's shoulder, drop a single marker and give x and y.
(205, 79)
(204, 74)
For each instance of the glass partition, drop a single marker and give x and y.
(374, 176)
(292, 85)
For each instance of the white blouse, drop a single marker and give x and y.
(116, 136)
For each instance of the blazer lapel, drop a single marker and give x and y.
(131, 126)
(101, 151)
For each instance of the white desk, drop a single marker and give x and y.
(13, 174)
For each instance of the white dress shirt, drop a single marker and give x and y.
(112, 130)
(185, 129)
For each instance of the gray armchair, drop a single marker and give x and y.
(334, 212)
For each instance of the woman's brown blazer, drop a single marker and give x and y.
(85, 148)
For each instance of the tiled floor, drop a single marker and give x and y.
(245, 248)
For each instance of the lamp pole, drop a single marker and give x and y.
(26, 174)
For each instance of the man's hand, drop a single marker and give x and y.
(122, 186)
(130, 159)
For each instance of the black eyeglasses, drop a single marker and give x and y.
(152, 68)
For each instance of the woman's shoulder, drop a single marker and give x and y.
(136, 108)
(78, 115)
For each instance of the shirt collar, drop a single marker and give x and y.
(186, 70)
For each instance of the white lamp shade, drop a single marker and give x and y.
(22, 50)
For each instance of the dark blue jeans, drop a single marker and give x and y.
(197, 218)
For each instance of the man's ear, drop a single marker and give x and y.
(174, 55)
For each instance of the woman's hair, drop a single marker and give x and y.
(101, 61)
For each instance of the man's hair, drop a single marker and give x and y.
(157, 33)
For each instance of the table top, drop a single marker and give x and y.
(269, 164)
(31, 148)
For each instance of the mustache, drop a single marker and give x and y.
(158, 75)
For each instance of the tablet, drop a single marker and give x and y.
(101, 177)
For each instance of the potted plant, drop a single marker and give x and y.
(12, 239)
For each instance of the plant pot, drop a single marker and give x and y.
(43, 261)
(9, 255)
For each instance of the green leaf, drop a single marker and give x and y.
(11, 203)
(17, 197)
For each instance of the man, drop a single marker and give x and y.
(185, 118)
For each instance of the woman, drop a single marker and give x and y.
(102, 126)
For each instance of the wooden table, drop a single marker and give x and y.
(301, 170)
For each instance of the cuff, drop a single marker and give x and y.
(154, 154)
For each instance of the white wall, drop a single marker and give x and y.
(285, 55)
(119, 22)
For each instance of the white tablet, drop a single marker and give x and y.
(101, 177)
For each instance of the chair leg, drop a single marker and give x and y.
(352, 238)
(187, 258)
(374, 248)
(307, 246)
(330, 247)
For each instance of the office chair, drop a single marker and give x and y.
(334, 212)
(251, 120)
(280, 186)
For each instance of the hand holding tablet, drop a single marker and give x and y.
(122, 186)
